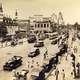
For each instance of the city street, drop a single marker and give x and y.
(39, 40)
(66, 64)
(23, 50)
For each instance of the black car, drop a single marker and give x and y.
(53, 60)
(52, 64)
(13, 43)
(37, 74)
(42, 38)
(39, 44)
(63, 50)
(47, 68)
(13, 63)
(51, 38)
(31, 39)
(54, 42)
(34, 53)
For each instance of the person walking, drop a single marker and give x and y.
(44, 56)
(63, 74)
(57, 73)
(28, 64)
(37, 64)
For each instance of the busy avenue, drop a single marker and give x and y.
(48, 51)
(37, 42)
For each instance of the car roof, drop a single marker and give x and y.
(36, 71)
(33, 49)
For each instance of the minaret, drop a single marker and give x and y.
(1, 13)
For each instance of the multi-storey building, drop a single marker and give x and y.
(1, 13)
(41, 25)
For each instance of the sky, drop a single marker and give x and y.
(69, 8)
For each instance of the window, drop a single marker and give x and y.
(44, 25)
(41, 25)
(35, 25)
(38, 25)
(47, 25)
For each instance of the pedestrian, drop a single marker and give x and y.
(14, 72)
(44, 56)
(63, 74)
(37, 64)
(32, 61)
(32, 66)
(72, 75)
(57, 73)
(1, 44)
(17, 76)
(28, 64)
(14, 75)
(6, 44)
(75, 49)
(66, 56)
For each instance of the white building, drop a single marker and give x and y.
(41, 25)
(1, 13)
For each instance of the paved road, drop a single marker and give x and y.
(23, 50)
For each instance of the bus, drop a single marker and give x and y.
(53, 35)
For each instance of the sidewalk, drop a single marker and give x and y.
(66, 65)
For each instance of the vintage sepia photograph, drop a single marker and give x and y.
(39, 39)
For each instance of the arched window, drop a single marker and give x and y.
(41, 25)
(44, 25)
(38, 25)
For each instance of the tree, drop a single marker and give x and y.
(3, 30)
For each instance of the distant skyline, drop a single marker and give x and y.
(69, 8)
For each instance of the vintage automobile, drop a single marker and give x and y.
(34, 52)
(13, 43)
(63, 50)
(31, 39)
(52, 64)
(54, 41)
(13, 63)
(22, 75)
(39, 44)
(37, 74)
(41, 39)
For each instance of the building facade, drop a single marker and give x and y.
(41, 26)
(1, 13)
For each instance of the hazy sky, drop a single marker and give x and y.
(69, 8)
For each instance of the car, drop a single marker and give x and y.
(54, 41)
(47, 67)
(13, 43)
(39, 44)
(37, 74)
(34, 52)
(52, 64)
(31, 39)
(13, 63)
(53, 60)
(63, 50)
(22, 75)
(51, 38)
(6, 39)
(42, 38)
